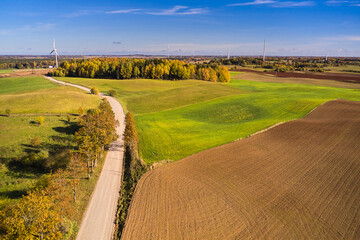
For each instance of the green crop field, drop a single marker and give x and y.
(177, 119)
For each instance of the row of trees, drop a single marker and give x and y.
(46, 211)
(98, 130)
(122, 68)
(25, 63)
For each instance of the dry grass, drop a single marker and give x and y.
(299, 180)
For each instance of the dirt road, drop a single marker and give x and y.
(298, 180)
(98, 221)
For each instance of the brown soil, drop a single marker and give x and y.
(344, 77)
(299, 180)
(26, 72)
(263, 77)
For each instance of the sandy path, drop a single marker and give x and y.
(99, 218)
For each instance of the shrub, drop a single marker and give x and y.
(81, 111)
(94, 91)
(35, 142)
(68, 117)
(40, 120)
(8, 112)
(112, 93)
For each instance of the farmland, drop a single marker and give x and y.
(299, 180)
(178, 118)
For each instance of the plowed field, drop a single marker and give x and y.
(299, 180)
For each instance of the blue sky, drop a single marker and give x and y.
(311, 28)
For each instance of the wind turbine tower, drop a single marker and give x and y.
(228, 57)
(264, 50)
(56, 55)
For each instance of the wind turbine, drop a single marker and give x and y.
(264, 50)
(56, 55)
(228, 57)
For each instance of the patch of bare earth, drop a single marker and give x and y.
(299, 180)
(26, 72)
(343, 80)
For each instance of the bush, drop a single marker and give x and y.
(81, 111)
(35, 142)
(68, 117)
(40, 120)
(94, 91)
(8, 112)
(112, 93)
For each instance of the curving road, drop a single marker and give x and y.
(99, 218)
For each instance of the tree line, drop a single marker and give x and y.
(285, 64)
(124, 68)
(47, 211)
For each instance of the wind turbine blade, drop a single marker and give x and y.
(54, 43)
(51, 51)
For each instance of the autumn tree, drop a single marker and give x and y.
(224, 75)
(131, 135)
(35, 216)
(75, 169)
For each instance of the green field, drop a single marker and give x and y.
(39, 95)
(16, 133)
(6, 70)
(342, 69)
(23, 84)
(28, 98)
(177, 119)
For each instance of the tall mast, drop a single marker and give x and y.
(264, 50)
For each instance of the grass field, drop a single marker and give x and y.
(16, 133)
(38, 95)
(298, 180)
(6, 70)
(177, 119)
(346, 68)
(23, 84)
(34, 96)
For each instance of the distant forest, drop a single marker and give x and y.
(23, 63)
(125, 68)
(285, 64)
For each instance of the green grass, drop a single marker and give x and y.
(10, 70)
(24, 84)
(144, 95)
(342, 69)
(59, 99)
(32, 97)
(16, 133)
(177, 119)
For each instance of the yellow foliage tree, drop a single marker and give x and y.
(36, 216)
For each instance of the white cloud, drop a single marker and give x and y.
(276, 4)
(343, 2)
(135, 10)
(256, 2)
(176, 10)
(343, 38)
